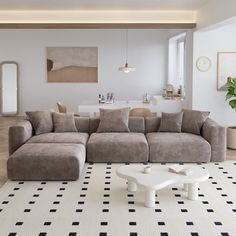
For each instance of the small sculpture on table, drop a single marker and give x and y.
(109, 99)
(146, 98)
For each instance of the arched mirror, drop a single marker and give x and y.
(9, 91)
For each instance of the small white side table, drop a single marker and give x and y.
(159, 178)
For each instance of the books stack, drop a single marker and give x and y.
(176, 169)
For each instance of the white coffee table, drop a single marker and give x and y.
(160, 178)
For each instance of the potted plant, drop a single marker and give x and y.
(231, 98)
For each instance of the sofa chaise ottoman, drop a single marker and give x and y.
(48, 156)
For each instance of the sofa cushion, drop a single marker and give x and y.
(152, 124)
(19, 134)
(171, 122)
(82, 124)
(93, 124)
(178, 147)
(63, 122)
(113, 120)
(81, 138)
(44, 161)
(193, 121)
(137, 124)
(117, 147)
(41, 121)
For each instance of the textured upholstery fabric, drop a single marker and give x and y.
(41, 121)
(117, 147)
(171, 122)
(44, 161)
(137, 124)
(19, 134)
(152, 124)
(63, 122)
(82, 124)
(193, 121)
(81, 138)
(178, 147)
(216, 136)
(113, 120)
(93, 125)
(61, 156)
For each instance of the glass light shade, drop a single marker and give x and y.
(126, 68)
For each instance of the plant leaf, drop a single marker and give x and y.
(231, 90)
(228, 96)
(232, 103)
(230, 85)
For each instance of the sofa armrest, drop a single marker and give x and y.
(18, 135)
(216, 136)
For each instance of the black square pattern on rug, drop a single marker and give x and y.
(43, 234)
(102, 234)
(75, 223)
(19, 223)
(101, 196)
(47, 223)
(72, 234)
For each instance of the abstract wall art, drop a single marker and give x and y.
(72, 64)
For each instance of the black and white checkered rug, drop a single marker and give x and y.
(99, 205)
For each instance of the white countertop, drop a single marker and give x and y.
(157, 105)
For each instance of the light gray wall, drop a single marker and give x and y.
(147, 52)
(205, 94)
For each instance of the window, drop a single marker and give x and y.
(176, 61)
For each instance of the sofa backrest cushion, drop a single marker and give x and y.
(63, 122)
(193, 121)
(93, 124)
(41, 121)
(114, 120)
(136, 124)
(152, 124)
(171, 122)
(82, 124)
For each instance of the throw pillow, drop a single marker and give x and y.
(113, 120)
(41, 121)
(193, 121)
(64, 122)
(171, 122)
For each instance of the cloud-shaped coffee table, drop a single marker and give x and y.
(159, 178)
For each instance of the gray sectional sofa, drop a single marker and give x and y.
(61, 156)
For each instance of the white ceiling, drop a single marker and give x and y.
(101, 4)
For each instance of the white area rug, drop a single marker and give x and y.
(99, 205)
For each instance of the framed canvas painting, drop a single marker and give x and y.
(72, 64)
(226, 67)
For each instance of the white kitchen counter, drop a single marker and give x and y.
(91, 108)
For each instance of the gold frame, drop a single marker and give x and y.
(222, 89)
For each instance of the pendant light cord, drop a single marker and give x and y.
(127, 44)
